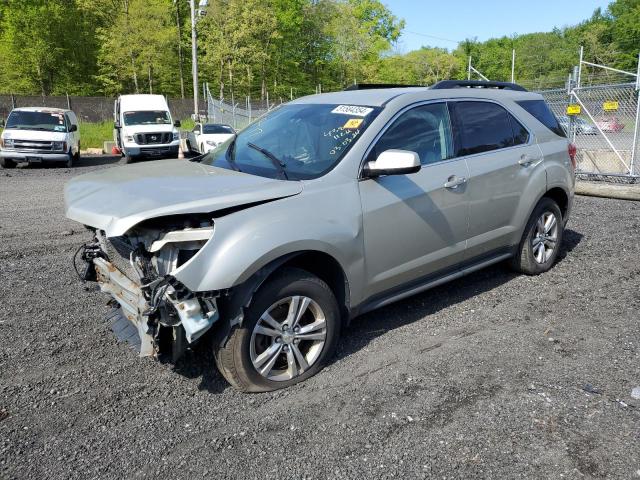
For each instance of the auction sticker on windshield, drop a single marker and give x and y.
(352, 110)
(353, 123)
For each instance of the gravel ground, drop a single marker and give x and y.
(491, 376)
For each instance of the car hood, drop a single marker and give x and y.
(216, 137)
(116, 199)
(34, 135)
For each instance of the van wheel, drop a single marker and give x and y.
(128, 159)
(290, 331)
(7, 163)
(70, 159)
(541, 239)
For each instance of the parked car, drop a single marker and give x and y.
(581, 125)
(610, 124)
(326, 208)
(207, 136)
(144, 128)
(37, 135)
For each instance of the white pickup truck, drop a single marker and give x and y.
(207, 136)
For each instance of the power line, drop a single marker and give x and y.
(432, 36)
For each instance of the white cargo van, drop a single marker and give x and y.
(36, 135)
(144, 128)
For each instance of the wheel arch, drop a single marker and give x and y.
(561, 197)
(316, 262)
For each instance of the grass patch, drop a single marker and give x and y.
(93, 135)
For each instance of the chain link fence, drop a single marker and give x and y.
(604, 128)
(233, 114)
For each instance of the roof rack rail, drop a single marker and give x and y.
(369, 86)
(444, 84)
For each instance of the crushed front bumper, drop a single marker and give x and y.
(131, 299)
(164, 302)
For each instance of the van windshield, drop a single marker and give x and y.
(294, 141)
(147, 117)
(45, 121)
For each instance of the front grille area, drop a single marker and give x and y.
(153, 138)
(33, 145)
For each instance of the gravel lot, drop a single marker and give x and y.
(492, 376)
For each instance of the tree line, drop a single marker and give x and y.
(281, 48)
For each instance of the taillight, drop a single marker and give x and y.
(572, 154)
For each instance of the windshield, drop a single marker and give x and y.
(295, 141)
(46, 121)
(149, 117)
(217, 129)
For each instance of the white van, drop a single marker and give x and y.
(38, 135)
(143, 127)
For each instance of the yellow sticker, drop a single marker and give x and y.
(610, 106)
(573, 110)
(353, 123)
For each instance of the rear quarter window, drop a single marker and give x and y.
(540, 110)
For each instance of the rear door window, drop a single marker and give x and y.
(540, 110)
(482, 127)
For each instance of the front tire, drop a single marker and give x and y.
(541, 239)
(289, 333)
(7, 163)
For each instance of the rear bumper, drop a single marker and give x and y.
(33, 157)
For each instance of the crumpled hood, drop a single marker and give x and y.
(116, 199)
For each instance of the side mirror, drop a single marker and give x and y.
(116, 125)
(177, 123)
(73, 128)
(393, 162)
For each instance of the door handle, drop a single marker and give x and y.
(526, 160)
(454, 182)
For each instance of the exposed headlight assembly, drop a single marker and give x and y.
(173, 249)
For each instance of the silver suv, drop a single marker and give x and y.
(326, 208)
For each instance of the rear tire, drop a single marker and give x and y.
(7, 163)
(293, 296)
(541, 239)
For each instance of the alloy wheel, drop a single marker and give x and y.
(288, 338)
(545, 238)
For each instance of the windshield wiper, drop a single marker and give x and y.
(275, 160)
(230, 155)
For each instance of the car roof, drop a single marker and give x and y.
(41, 109)
(378, 97)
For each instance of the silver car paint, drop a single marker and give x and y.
(339, 214)
(116, 199)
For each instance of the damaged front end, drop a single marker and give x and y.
(136, 269)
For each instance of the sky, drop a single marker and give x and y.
(452, 21)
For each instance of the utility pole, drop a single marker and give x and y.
(180, 60)
(194, 58)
